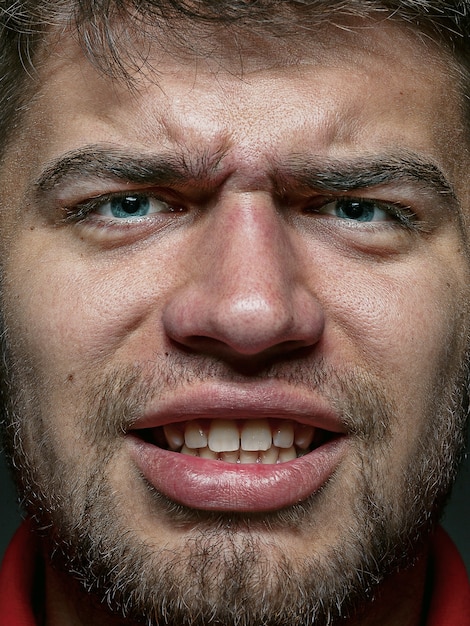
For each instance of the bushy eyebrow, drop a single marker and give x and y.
(312, 172)
(347, 175)
(103, 162)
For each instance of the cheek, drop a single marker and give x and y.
(73, 316)
(69, 319)
(407, 326)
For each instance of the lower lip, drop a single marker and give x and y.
(217, 486)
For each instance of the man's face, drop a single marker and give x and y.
(274, 254)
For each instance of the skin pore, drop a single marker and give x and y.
(287, 255)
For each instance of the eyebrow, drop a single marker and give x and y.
(314, 172)
(346, 175)
(102, 162)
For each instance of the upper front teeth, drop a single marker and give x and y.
(223, 436)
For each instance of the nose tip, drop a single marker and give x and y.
(244, 326)
(253, 324)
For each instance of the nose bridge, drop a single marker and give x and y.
(251, 260)
(244, 292)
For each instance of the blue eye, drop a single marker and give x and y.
(358, 210)
(129, 206)
(132, 206)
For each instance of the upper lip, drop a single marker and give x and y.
(248, 401)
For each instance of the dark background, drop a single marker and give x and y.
(456, 519)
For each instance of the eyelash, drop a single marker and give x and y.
(400, 215)
(81, 211)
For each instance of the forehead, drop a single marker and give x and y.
(335, 91)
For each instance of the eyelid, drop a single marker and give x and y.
(80, 211)
(401, 214)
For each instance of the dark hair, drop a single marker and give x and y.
(24, 25)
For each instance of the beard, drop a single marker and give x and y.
(231, 569)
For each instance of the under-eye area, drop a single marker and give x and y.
(264, 441)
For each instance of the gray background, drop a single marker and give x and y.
(456, 520)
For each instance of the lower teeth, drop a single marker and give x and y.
(269, 457)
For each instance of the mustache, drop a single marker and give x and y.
(117, 399)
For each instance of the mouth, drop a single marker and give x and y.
(233, 448)
(241, 441)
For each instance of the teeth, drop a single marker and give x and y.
(189, 451)
(287, 454)
(256, 435)
(194, 435)
(207, 453)
(304, 436)
(270, 457)
(224, 436)
(247, 441)
(229, 457)
(283, 435)
(249, 456)
(174, 436)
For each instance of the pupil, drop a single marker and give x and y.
(355, 210)
(130, 205)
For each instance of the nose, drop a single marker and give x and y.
(247, 292)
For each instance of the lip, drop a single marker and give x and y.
(247, 401)
(217, 486)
